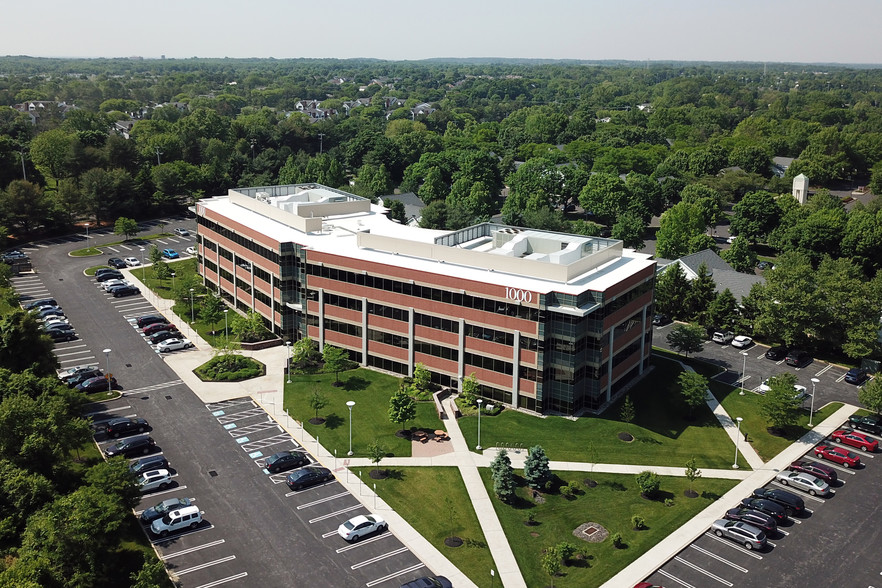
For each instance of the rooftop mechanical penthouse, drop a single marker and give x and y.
(548, 322)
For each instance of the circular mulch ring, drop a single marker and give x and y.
(379, 474)
(402, 434)
(626, 437)
(453, 542)
(591, 532)
(316, 420)
(690, 494)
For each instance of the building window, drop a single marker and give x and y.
(388, 338)
(436, 350)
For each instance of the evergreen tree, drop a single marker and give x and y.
(503, 476)
(723, 311)
(536, 470)
(672, 291)
(701, 294)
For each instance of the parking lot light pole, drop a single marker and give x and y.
(480, 404)
(143, 267)
(192, 316)
(350, 404)
(737, 439)
(87, 230)
(812, 409)
(743, 369)
(173, 281)
(107, 373)
(226, 333)
(288, 343)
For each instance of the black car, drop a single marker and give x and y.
(150, 319)
(105, 270)
(153, 462)
(58, 335)
(48, 311)
(109, 275)
(818, 470)
(95, 384)
(768, 507)
(857, 376)
(660, 320)
(429, 582)
(41, 302)
(116, 262)
(868, 423)
(285, 460)
(798, 358)
(308, 476)
(125, 426)
(776, 353)
(753, 517)
(81, 377)
(162, 336)
(121, 291)
(58, 327)
(131, 447)
(792, 504)
(159, 511)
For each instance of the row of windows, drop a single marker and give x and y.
(225, 253)
(342, 301)
(210, 245)
(246, 287)
(425, 292)
(392, 312)
(388, 338)
(626, 327)
(262, 297)
(489, 363)
(388, 365)
(503, 337)
(436, 350)
(336, 326)
(627, 297)
(436, 322)
(210, 265)
(240, 240)
(262, 274)
(626, 352)
(226, 275)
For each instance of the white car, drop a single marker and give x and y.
(62, 324)
(173, 345)
(78, 369)
(182, 232)
(110, 284)
(132, 261)
(190, 251)
(801, 391)
(742, 342)
(154, 480)
(805, 482)
(357, 527)
(723, 337)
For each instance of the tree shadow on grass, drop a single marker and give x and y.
(333, 421)
(617, 486)
(355, 383)
(712, 496)
(395, 475)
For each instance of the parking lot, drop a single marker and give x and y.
(255, 530)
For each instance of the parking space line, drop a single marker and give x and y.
(154, 387)
(192, 549)
(368, 562)
(824, 370)
(76, 359)
(104, 411)
(840, 378)
(223, 580)
(364, 542)
(182, 534)
(806, 497)
(73, 353)
(207, 564)
(703, 571)
(331, 515)
(322, 500)
(241, 431)
(161, 492)
(412, 568)
(718, 558)
(232, 402)
(263, 443)
(293, 492)
(736, 546)
(115, 250)
(674, 578)
(858, 452)
(237, 416)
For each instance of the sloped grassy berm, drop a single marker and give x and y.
(230, 367)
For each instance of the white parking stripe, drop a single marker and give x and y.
(223, 580)
(364, 542)
(368, 562)
(703, 571)
(737, 546)
(205, 565)
(87, 414)
(389, 577)
(824, 370)
(72, 352)
(331, 515)
(718, 558)
(160, 493)
(112, 249)
(675, 579)
(322, 500)
(192, 549)
(77, 359)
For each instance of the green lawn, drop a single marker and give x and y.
(663, 435)
(452, 514)
(90, 251)
(370, 391)
(611, 503)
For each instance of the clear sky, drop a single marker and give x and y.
(841, 31)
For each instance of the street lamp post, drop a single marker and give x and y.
(480, 404)
(143, 267)
(226, 333)
(737, 439)
(288, 343)
(192, 316)
(743, 369)
(812, 409)
(350, 404)
(107, 374)
(173, 281)
(87, 230)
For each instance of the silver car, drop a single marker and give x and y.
(747, 535)
(805, 482)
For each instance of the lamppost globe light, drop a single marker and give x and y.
(350, 404)
(107, 373)
(743, 371)
(288, 343)
(737, 439)
(480, 403)
(812, 408)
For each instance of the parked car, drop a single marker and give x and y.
(45, 312)
(125, 426)
(132, 261)
(182, 232)
(160, 510)
(773, 509)
(116, 263)
(857, 376)
(660, 320)
(131, 447)
(41, 302)
(187, 517)
(58, 335)
(154, 480)
(443, 582)
(110, 284)
(756, 518)
(150, 319)
(855, 439)
(105, 270)
(13, 255)
(747, 535)
(285, 460)
(152, 462)
(58, 325)
(170, 254)
(742, 342)
(723, 337)
(798, 358)
(111, 275)
(818, 470)
(77, 379)
(162, 336)
(174, 344)
(121, 291)
(190, 250)
(308, 476)
(361, 525)
(77, 369)
(805, 482)
(793, 504)
(870, 423)
(95, 384)
(156, 327)
(776, 353)
(843, 457)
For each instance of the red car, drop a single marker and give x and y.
(855, 439)
(818, 470)
(841, 456)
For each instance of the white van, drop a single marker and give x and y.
(189, 516)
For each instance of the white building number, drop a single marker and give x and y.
(519, 295)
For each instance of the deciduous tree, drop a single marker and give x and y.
(686, 339)
(780, 405)
(870, 395)
(125, 226)
(693, 388)
(336, 360)
(402, 407)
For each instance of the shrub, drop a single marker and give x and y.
(648, 482)
(617, 541)
(230, 368)
(638, 522)
(669, 502)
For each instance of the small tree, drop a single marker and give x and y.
(503, 476)
(249, 328)
(154, 255)
(317, 401)
(161, 271)
(692, 474)
(376, 453)
(125, 226)
(536, 470)
(648, 482)
(304, 352)
(870, 395)
(638, 522)
(780, 405)
(470, 388)
(211, 310)
(336, 360)
(551, 564)
(693, 387)
(686, 339)
(627, 413)
(565, 551)
(422, 379)
(402, 408)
